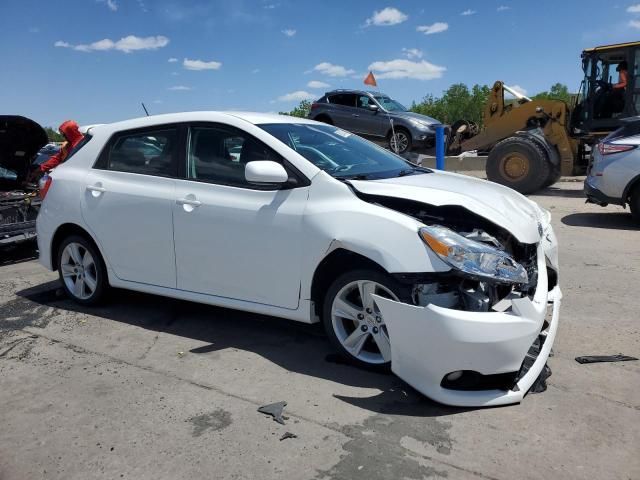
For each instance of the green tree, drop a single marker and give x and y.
(558, 91)
(458, 102)
(53, 135)
(302, 110)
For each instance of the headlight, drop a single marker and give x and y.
(419, 124)
(473, 258)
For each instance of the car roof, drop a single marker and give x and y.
(255, 118)
(348, 90)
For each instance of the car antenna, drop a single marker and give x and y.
(144, 108)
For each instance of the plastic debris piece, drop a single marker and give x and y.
(288, 435)
(275, 410)
(180, 354)
(540, 385)
(604, 358)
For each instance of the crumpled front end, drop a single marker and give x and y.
(476, 356)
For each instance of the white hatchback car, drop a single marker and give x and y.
(443, 278)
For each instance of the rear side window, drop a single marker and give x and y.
(152, 152)
(346, 99)
(77, 148)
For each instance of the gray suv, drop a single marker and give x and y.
(369, 114)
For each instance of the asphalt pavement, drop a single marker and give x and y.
(151, 388)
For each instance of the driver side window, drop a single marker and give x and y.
(219, 154)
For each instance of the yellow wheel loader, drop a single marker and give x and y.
(531, 143)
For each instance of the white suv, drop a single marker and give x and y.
(443, 278)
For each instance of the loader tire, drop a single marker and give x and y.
(554, 176)
(519, 163)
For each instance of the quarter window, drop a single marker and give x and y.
(149, 153)
(219, 155)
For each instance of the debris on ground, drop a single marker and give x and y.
(604, 358)
(288, 435)
(540, 385)
(275, 410)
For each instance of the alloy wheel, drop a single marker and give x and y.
(358, 322)
(399, 142)
(79, 272)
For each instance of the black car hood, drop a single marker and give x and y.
(20, 140)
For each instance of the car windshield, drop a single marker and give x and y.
(390, 104)
(340, 153)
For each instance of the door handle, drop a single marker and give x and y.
(188, 201)
(96, 190)
(355, 115)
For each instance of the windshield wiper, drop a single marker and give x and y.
(354, 177)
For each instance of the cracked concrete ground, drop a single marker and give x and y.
(147, 387)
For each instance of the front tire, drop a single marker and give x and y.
(519, 163)
(81, 270)
(401, 142)
(353, 322)
(634, 203)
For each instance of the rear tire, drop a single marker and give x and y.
(82, 271)
(356, 328)
(634, 203)
(324, 119)
(519, 163)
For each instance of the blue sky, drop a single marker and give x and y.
(96, 60)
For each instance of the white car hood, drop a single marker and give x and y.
(498, 204)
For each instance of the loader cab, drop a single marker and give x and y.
(599, 108)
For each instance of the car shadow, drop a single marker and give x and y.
(608, 220)
(294, 346)
(555, 191)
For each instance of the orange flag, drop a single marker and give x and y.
(370, 80)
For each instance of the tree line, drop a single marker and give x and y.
(456, 103)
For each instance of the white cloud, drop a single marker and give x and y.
(437, 27)
(178, 88)
(634, 8)
(271, 6)
(34, 30)
(502, 8)
(468, 12)
(289, 32)
(317, 84)
(200, 65)
(386, 17)
(127, 44)
(634, 24)
(297, 96)
(255, 70)
(112, 4)
(172, 60)
(403, 68)
(332, 70)
(412, 53)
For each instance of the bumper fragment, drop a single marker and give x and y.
(429, 342)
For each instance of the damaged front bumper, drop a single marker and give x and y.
(430, 344)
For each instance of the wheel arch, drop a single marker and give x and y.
(635, 182)
(398, 127)
(339, 261)
(324, 118)
(65, 230)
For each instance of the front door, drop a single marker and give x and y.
(128, 202)
(369, 122)
(234, 239)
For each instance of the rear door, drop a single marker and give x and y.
(343, 112)
(128, 200)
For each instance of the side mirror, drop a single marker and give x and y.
(265, 172)
(373, 107)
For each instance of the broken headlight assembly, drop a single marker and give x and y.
(473, 258)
